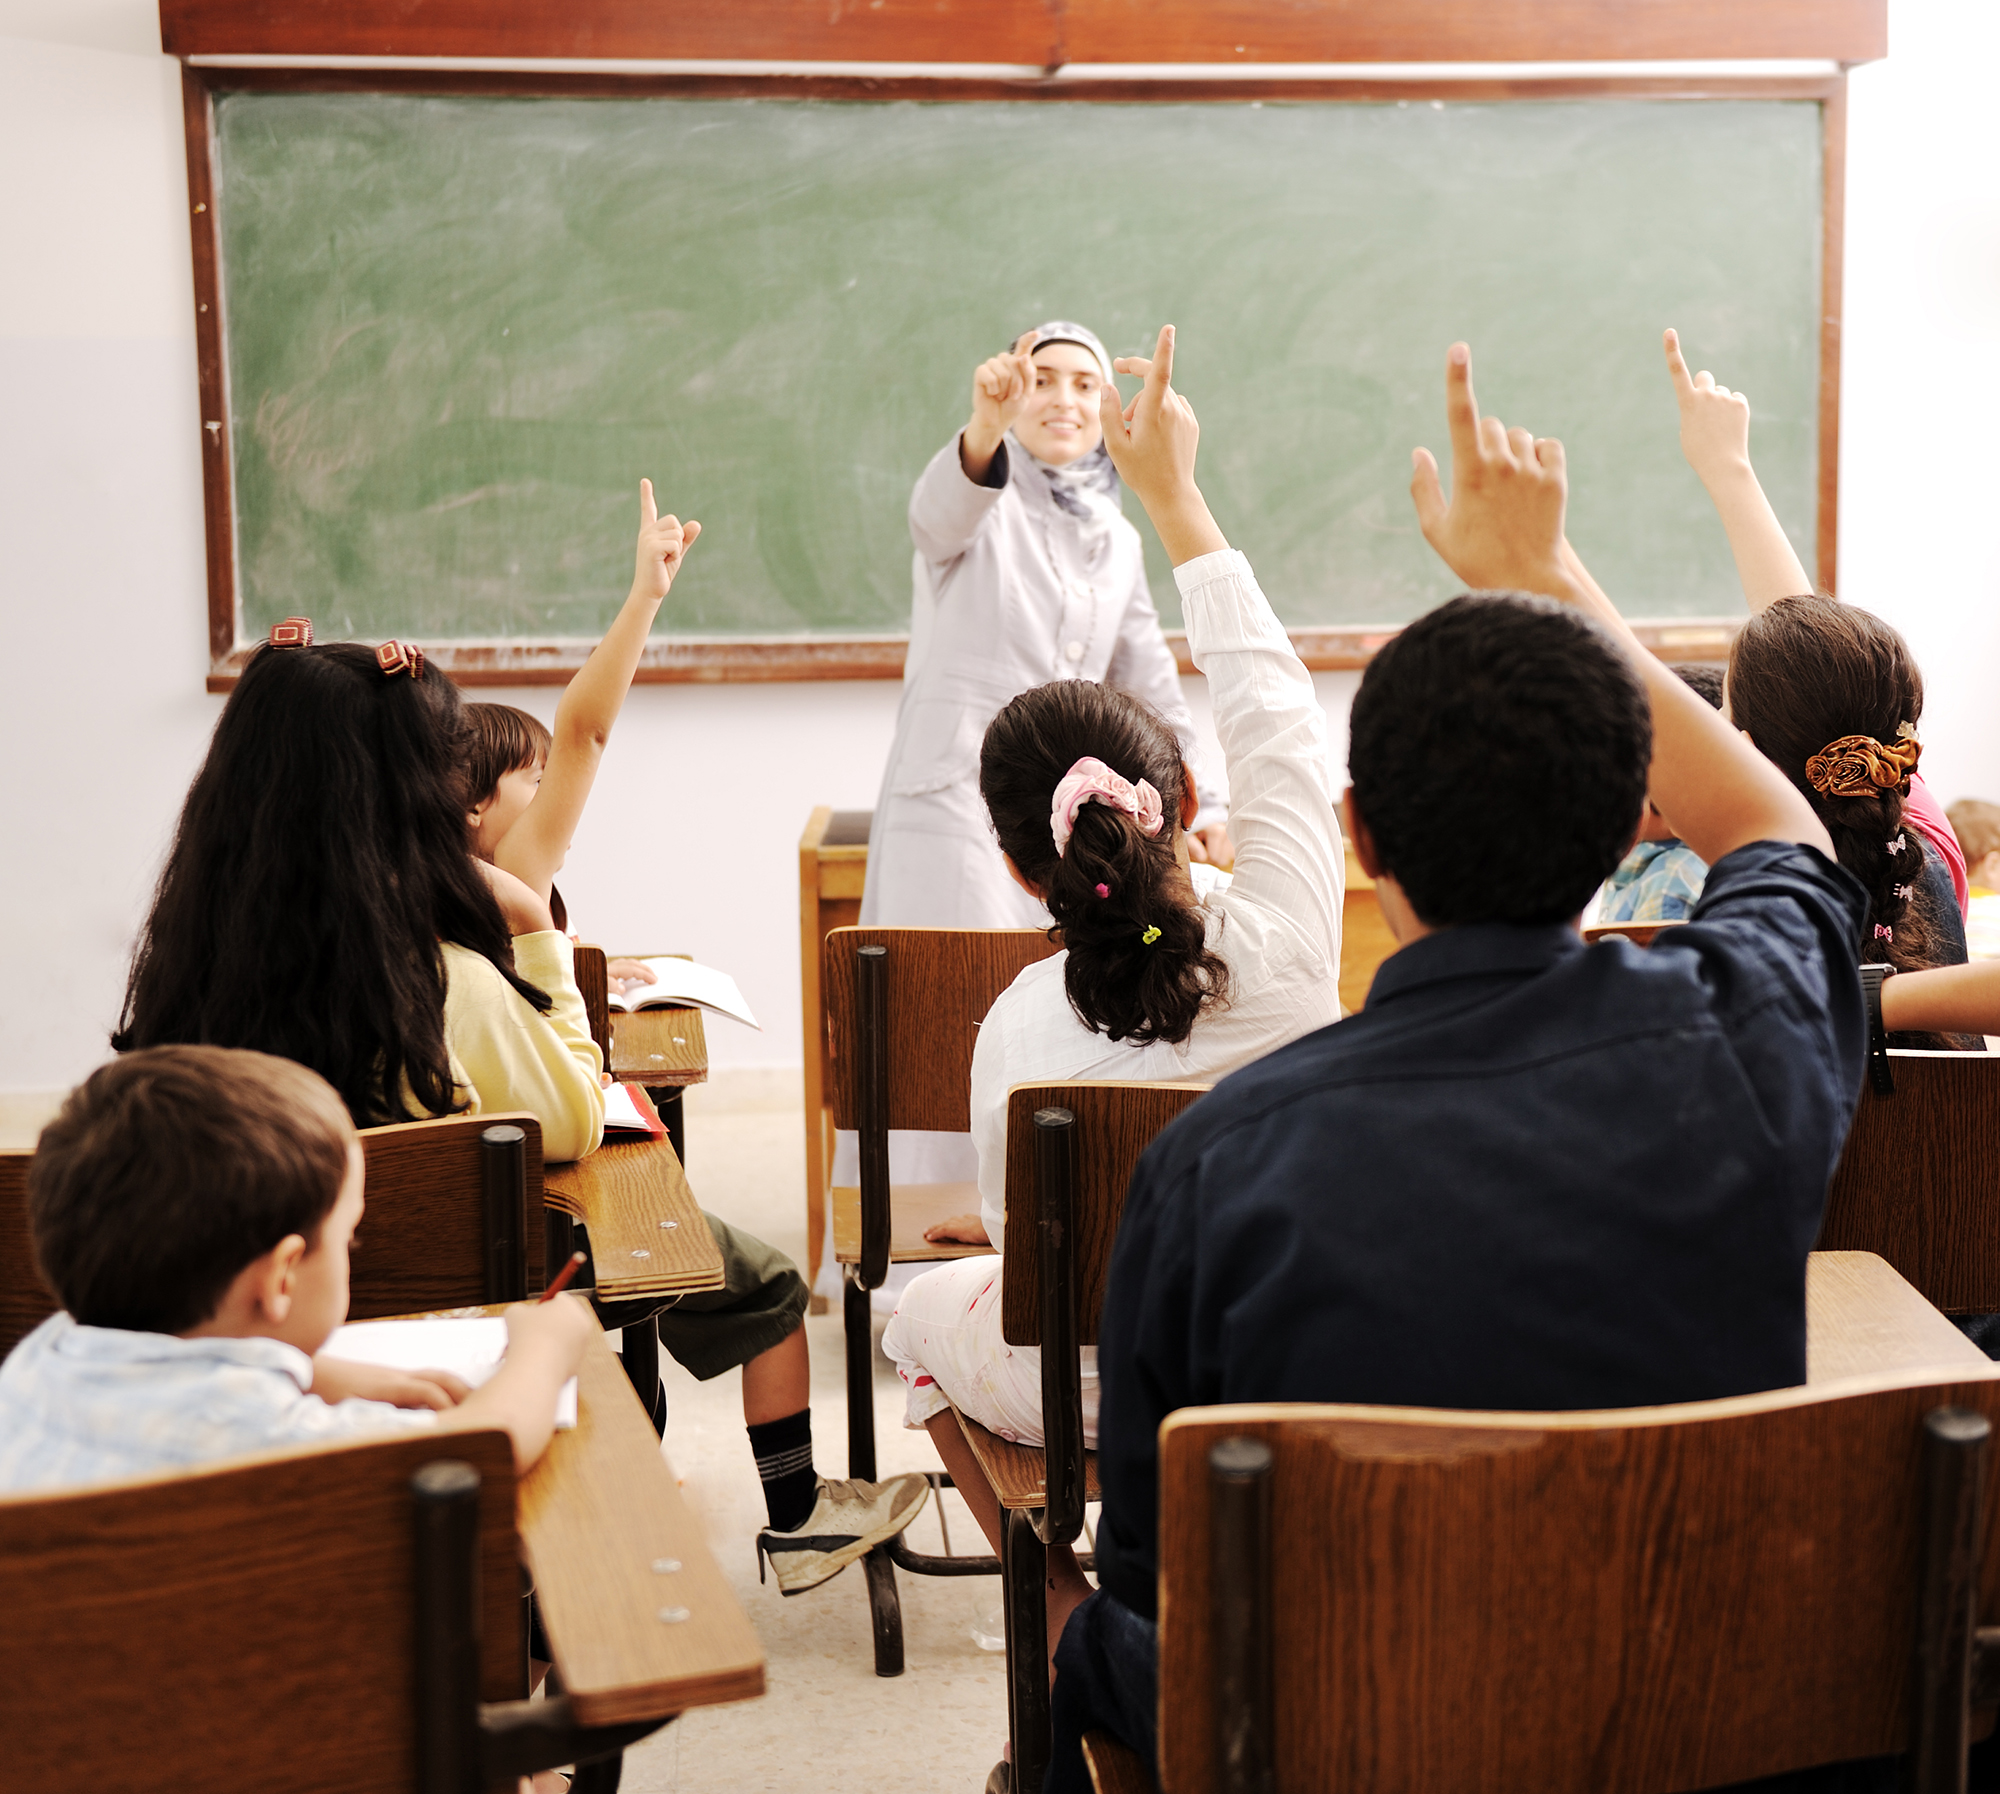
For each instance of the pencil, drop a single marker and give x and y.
(561, 1280)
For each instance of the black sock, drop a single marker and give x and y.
(784, 1453)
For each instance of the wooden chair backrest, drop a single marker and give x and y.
(593, 985)
(422, 1240)
(1919, 1181)
(245, 1626)
(942, 981)
(25, 1300)
(1115, 1123)
(1649, 1599)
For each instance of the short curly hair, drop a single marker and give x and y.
(1498, 751)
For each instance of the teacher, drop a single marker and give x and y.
(1026, 571)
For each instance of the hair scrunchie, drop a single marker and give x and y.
(1090, 781)
(1861, 766)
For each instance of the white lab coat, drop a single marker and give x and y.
(1008, 594)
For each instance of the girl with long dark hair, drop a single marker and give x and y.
(319, 903)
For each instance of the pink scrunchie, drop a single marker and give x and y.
(1090, 781)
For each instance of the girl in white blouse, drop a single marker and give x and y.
(1090, 799)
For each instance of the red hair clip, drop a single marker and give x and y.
(395, 657)
(293, 632)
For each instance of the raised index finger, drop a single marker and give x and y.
(1024, 342)
(648, 516)
(1461, 409)
(1163, 357)
(1677, 367)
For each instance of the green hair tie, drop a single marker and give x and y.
(1150, 936)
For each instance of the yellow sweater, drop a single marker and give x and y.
(504, 1055)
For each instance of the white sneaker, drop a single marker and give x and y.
(847, 1520)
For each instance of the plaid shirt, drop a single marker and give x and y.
(98, 1404)
(1658, 881)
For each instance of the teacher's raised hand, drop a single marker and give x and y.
(1152, 444)
(1002, 385)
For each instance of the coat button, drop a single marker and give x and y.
(1074, 651)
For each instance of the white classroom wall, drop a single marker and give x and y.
(690, 844)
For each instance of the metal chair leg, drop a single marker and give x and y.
(885, 1611)
(640, 1351)
(600, 1777)
(858, 1325)
(1024, 1562)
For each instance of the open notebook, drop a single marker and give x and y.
(682, 984)
(468, 1348)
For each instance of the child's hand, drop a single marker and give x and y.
(663, 543)
(339, 1379)
(958, 1230)
(1153, 439)
(1502, 527)
(557, 1330)
(1001, 388)
(1715, 422)
(629, 974)
(521, 907)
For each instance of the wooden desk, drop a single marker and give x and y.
(647, 1235)
(833, 866)
(1864, 1319)
(663, 1051)
(616, 1556)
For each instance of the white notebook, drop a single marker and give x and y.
(468, 1348)
(680, 984)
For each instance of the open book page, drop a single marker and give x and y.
(469, 1348)
(681, 983)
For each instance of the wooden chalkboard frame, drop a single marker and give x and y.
(215, 39)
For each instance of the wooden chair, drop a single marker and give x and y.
(25, 1300)
(1919, 1181)
(1071, 1151)
(454, 1217)
(903, 1008)
(306, 1619)
(1650, 1600)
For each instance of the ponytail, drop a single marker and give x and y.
(1139, 966)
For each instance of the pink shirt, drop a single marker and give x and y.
(1926, 815)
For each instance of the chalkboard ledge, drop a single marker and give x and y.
(798, 658)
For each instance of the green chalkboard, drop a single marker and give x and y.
(459, 329)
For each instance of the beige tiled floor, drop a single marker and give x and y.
(828, 1722)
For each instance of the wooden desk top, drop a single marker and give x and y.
(1863, 1319)
(647, 1233)
(659, 1047)
(616, 1554)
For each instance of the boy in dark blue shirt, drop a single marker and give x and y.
(1530, 1174)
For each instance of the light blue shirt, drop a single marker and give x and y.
(97, 1404)
(1658, 881)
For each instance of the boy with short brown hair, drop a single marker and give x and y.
(193, 1207)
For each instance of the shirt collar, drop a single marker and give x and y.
(119, 1345)
(1472, 950)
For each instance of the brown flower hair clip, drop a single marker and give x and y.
(293, 632)
(1861, 766)
(395, 657)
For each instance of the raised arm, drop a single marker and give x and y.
(1287, 846)
(1715, 438)
(1502, 529)
(956, 493)
(536, 846)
